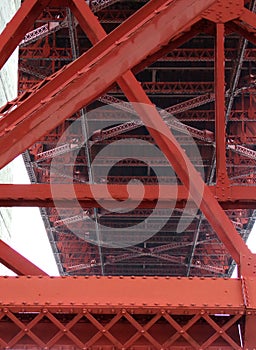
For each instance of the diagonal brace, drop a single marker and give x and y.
(167, 143)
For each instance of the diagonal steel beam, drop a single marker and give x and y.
(95, 70)
(236, 27)
(249, 18)
(173, 44)
(17, 263)
(19, 26)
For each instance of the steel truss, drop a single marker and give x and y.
(91, 312)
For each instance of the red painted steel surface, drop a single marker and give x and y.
(224, 192)
(198, 67)
(90, 312)
(40, 195)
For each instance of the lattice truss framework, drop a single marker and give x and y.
(41, 113)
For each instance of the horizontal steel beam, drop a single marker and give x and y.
(64, 312)
(35, 292)
(89, 196)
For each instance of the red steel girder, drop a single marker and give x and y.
(236, 27)
(220, 122)
(38, 53)
(173, 87)
(88, 318)
(89, 196)
(88, 291)
(205, 54)
(163, 88)
(16, 262)
(18, 27)
(249, 18)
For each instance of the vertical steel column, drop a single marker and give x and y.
(249, 334)
(220, 123)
